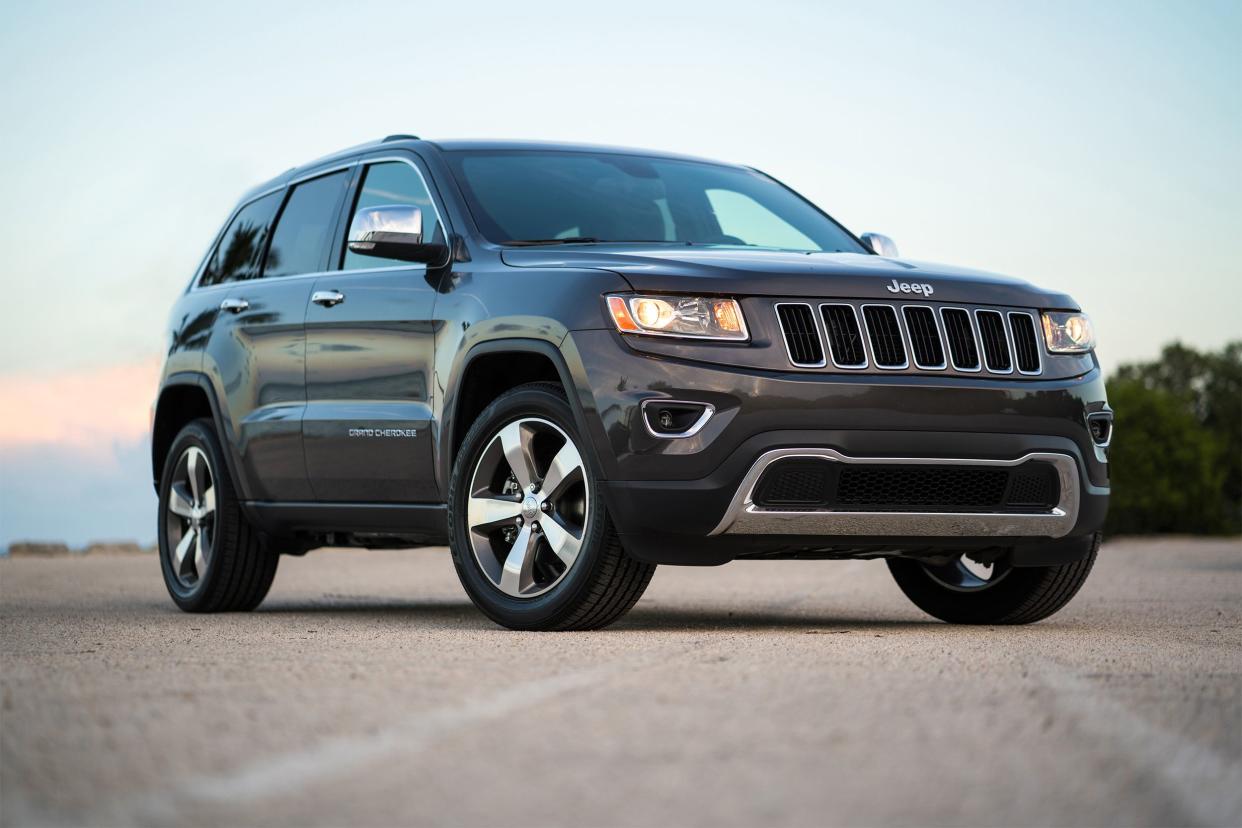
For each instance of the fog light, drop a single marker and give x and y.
(1101, 427)
(675, 418)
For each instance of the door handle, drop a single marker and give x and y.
(234, 305)
(327, 298)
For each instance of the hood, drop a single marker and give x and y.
(736, 271)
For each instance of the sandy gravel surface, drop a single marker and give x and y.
(368, 691)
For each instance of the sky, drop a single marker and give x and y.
(1089, 147)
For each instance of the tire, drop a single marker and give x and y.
(569, 571)
(1022, 595)
(201, 518)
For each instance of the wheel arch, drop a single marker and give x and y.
(489, 369)
(185, 397)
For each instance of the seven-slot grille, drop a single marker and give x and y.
(918, 337)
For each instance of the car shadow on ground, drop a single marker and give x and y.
(460, 614)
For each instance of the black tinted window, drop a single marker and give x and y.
(394, 182)
(240, 252)
(536, 195)
(303, 232)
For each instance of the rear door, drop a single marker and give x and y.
(258, 347)
(369, 352)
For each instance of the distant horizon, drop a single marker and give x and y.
(1088, 149)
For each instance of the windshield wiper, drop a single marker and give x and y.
(566, 240)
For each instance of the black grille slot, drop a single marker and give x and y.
(1033, 486)
(995, 345)
(962, 346)
(845, 341)
(801, 335)
(807, 484)
(795, 484)
(1025, 342)
(921, 488)
(885, 334)
(924, 337)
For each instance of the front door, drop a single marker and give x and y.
(369, 352)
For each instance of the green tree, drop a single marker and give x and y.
(1176, 460)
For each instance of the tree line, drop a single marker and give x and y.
(1176, 456)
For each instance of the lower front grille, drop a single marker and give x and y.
(801, 484)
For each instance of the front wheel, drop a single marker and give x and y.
(962, 591)
(531, 539)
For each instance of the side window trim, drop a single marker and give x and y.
(347, 206)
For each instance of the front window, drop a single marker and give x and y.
(532, 197)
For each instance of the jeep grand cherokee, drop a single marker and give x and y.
(574, 363)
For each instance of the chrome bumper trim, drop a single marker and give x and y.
(743, 517)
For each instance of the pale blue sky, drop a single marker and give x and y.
(1092, 147)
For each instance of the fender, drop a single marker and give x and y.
(231, 459)
(580, 400)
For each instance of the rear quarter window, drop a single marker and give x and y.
(239, 255)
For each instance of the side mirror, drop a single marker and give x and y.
(392, 231)
(880, 245)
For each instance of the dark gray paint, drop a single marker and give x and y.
(289, 378)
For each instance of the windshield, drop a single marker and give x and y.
(539, 197)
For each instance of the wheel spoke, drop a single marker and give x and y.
(519, 565)
(565, 468)
(515, 441)
(485, 513)
(179, 500)
(200, 556)
(563, 542)
(209, 501)
(187, 540)
(192, 471)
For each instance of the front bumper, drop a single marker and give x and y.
(684, 500)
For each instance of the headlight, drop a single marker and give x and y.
(1068, 333)
(691, 316)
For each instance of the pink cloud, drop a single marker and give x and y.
(88, 410)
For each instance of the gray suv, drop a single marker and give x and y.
(573, 363)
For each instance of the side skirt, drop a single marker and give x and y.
(424, 523)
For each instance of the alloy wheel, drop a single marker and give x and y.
(190, 517)
(964, 574)
(528, 507)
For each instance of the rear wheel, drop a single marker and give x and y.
(212, 559)
(531, 539)
(963, 591)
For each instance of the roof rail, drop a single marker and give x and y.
(399, 137)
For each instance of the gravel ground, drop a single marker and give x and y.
(368, 691)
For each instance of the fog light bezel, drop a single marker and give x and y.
(650, 406)
(1105, 417)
